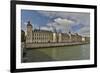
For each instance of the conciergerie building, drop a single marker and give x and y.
(46, 36)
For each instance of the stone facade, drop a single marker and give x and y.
(29, 33)
(39, 36)
(44, 36)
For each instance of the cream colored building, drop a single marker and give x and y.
(65, 37)
(44, 36)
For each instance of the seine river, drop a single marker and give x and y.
(75, 52)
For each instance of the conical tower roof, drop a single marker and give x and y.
(29, 24)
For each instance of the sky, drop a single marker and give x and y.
(64, 22)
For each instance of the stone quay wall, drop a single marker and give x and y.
(43, 45)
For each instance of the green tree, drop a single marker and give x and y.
(22, 36)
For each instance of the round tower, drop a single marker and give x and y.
(29, 33)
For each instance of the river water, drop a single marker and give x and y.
(75, 52)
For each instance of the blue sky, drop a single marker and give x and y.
(61, 21)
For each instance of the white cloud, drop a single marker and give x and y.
(85, 31)
(61, 24)
(46, 28)
(23, 26)
(25, 23)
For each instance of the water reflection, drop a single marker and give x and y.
(77, 52)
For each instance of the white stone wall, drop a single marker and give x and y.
(29, 35)
(60, 37)
(54, 37)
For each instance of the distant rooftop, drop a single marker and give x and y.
(39, 30)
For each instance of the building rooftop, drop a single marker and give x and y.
(38, 30)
